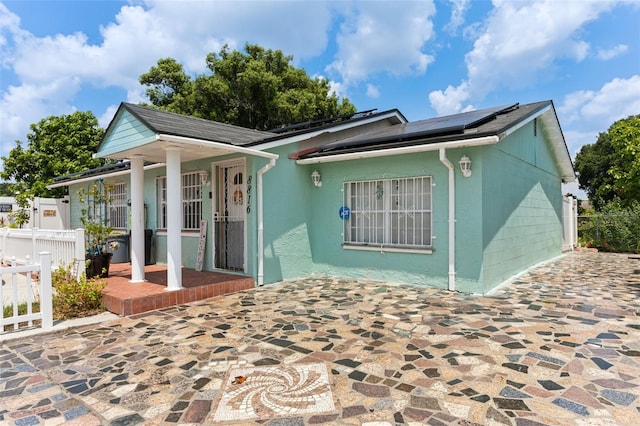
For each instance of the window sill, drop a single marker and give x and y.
(189, 233)
(383, 249)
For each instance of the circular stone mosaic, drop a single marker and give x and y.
(280, 391)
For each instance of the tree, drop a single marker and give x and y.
(610, 169)
(57, 146)
(259, 89)
(592, 164)
(165, 80)
(625, 139)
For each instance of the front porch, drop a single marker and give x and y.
(125, 298)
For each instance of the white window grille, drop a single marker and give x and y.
(389, 213)
(118, 206)
(191, 201)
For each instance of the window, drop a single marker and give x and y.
(118, 206)
(191, 201)
(389, 213)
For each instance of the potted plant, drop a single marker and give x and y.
(95, 219)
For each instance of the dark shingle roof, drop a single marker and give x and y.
(468, 125)
(170, 123)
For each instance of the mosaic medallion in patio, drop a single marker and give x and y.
(280, 391)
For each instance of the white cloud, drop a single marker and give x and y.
(586, 113)
(23, 105)
(458, 10)
(373, 91)
(51, 70)
(451, 100)
(618, 50)
(520, 40)
(617, 99)
(378, 38)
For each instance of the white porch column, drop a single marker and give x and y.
(174, 219)
(137, 219)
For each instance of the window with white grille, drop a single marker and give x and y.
(118, 206)
(389, 213)
(191, 201)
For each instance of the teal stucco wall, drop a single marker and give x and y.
(521, 206)
(287, 219)
(325, 227)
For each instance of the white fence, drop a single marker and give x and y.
(18, 281)
(66, 246)
(569, 223)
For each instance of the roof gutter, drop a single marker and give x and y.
(106, 175)
(220, 145)
(486, 140)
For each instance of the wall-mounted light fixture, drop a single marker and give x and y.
(465, 166)
(315, 177)
(204, 178)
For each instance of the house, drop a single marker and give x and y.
(462, 202)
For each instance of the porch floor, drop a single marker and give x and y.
(125, 298)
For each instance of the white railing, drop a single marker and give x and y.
(66, 246)
(18, 282)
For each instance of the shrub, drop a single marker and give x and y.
(72, 297)
(614, 229)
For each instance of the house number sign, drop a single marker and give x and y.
(344, 213)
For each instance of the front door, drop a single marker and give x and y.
(229, 215)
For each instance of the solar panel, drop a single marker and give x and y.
(460, 121)
(445, 125)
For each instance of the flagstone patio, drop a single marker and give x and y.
(560, 345)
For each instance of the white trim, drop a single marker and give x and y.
(383, 249)
(187, 234)
(523, 123)
(219, 145)
(486, 140)
(106, 175)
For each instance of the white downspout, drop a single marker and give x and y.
(263, 170)
(452, 219)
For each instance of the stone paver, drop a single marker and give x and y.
(560, 345)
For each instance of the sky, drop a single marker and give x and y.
(426, 58)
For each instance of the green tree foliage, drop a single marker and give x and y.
(165, 81)
(609, 169)
(625, 139)
(592, 164)
(57, 146)
(615, 228)
(258, 89)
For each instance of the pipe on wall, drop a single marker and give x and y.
(452, 219)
